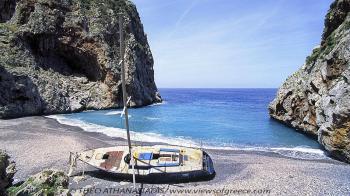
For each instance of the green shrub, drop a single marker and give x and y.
(312, 58)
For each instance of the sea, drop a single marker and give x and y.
(227, 119)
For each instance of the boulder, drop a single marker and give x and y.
(47, 182)
(7, 171)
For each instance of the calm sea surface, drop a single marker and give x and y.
(216, 118)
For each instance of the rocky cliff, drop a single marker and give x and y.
(316, 99)
(61, 56)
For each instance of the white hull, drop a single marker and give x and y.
(148, 160)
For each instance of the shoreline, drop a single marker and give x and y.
(36, 143)
(297, 152)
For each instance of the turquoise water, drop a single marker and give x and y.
(235, 118)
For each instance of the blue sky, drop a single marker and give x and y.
(230, 43)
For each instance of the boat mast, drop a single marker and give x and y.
(122, 50)
(125, 101)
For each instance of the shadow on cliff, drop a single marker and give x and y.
(286, 124)
(52, 54)
(19, 95)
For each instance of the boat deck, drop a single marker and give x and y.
(114, 159)
(148, 159)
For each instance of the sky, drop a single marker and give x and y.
(230, 43)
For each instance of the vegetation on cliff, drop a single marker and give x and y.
(316, 98)
(62, 56)
(7, 171)
(47, 182)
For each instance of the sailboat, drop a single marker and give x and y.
(164, 160)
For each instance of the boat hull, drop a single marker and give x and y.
(166, 163)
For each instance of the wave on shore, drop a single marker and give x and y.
(118, 113)
(157, 104)
(114, 113)
(299, 152)
(120, 133)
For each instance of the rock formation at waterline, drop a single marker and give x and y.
(316, 99)
(61, 56)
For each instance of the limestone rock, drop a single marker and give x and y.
(47, 182)
(7, 171)
(316, 98)
(61, 56)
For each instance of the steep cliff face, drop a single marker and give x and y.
(62, 56)
(316, 99)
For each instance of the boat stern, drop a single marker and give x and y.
(208, 165)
